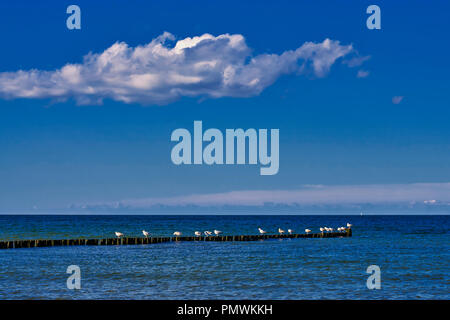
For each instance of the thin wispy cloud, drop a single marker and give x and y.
(356, 61)
(397, 99)
(163, 71)
(416, 193)
(362, 74)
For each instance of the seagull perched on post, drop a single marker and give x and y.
(217, 232)
(177, 233)
(262, 231)
(349, 225)
(145, 233)
(208, 233)
(322, 230)
(307, 230)
(281, 231)
(290, 231)
(119, 234)
(198, 233)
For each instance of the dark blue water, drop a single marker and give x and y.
(412, 252)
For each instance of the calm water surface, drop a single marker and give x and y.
(412, 252)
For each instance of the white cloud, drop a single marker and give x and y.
(158, 73)
(356, 61)
(362, 74)
(307, 195)
(397, 99)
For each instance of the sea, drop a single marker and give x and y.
(411, 254)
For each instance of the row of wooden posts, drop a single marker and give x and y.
(142, 240)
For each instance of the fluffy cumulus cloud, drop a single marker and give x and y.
(163, 70)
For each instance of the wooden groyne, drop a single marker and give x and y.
(150, 240)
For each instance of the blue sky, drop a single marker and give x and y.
(336, 130)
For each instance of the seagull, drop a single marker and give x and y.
(217, 232)
(262, 231)
(145, 233)
(322, 230)
(208, 233)
(331, 229)
(281, 231)
(119, 234)
(198, 233)
(307, 230)
(290, 231)
(349, 225)
(177, 233)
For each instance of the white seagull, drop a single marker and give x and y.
(322, 230)
(290, 231)
(119, 234)
(349, 225)
(262, 231)
(217, 232)
(177, 233)
(145, 233)
(208, 233)
(198, 233)
(307, 230)
(331, 229)
(281, 231)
